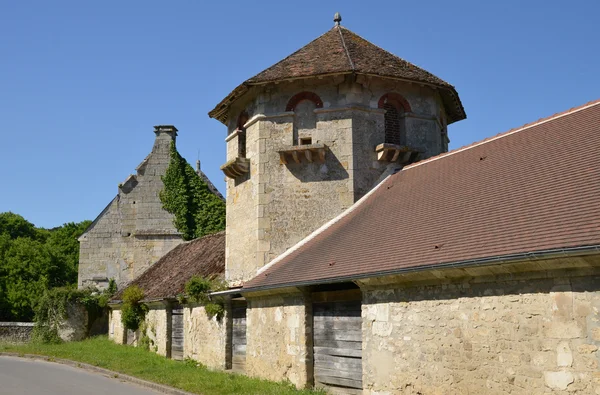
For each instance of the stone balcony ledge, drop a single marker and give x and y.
(236, 167)
(396, 153)
(310, 153)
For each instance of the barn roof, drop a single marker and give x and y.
(530, 190)
(341, 51)
(165, 279)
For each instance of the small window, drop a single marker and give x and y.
(242, 119)
(395, 107)
(305, 140)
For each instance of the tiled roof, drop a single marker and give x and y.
(340, 51)
(532, 189)
(204, 256)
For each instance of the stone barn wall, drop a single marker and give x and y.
(279, 339)
(518, 336)
(158, 328)
(205, 339)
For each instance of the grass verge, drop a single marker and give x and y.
(186, 375)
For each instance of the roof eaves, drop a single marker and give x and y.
(483, 261)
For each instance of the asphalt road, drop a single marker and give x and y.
(25, 376)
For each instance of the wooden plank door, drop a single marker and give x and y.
(177, 333)
(238, 338)
(337, 346)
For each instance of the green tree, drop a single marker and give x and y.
(197, 210)
(33, 260)
(15, 226)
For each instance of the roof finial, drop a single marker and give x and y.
(337, 18)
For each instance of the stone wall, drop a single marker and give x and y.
(15, 332)
(506, 336)
(276, 205)
(205, 339)
(133, 231)
(158, 328)
(279, 338)
(75, 327)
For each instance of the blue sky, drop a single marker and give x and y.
(82, 83)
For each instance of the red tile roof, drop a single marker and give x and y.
(340, 51)
(165, 279)
(532, 189)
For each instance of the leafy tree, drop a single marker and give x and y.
(15, 226)
(197, 210)
(33, 260)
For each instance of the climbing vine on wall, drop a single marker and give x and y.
(198, 211)
(198, 290)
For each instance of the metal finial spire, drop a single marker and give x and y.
(337, 18)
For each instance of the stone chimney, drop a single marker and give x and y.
(164, 135)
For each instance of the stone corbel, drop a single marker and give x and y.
(396, 153)
(309, 152)
(236, 167)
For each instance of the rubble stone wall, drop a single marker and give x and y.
(205, 338)
(528, 336)
(278, 339)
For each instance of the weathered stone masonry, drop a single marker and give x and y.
(284, 202)
(133, 231)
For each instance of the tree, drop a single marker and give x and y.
(33, 260)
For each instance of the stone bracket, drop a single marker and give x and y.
(396, 153)
(308, 152)
(236, 167)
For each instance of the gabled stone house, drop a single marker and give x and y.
(365, 258)
(134, 230)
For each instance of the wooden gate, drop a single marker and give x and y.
(337, 342)
(238, 338)
(177, 333)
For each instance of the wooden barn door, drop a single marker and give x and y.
(337, 341)
(238, 338)
(177, 332)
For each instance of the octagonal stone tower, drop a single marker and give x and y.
(314, 133)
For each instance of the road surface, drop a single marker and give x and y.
(20, 376)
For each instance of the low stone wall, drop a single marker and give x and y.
(205, 339)
(278, 338)
(15, 332)
(521, 336)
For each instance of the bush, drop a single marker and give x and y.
(198, 290)
(133, 311)
(51, 309)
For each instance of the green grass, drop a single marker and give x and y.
(100, 351)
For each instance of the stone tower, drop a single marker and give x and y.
(314, 133)
(133, 231)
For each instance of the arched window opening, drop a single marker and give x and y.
(305, 120)
(395, 107)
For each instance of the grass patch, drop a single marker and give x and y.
(100, 351)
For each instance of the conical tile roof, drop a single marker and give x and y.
(340, 51)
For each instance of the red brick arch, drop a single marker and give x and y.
(297, 98)
(396, 100)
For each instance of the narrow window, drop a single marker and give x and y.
(242, 119)
(305, 140)
(395, 107)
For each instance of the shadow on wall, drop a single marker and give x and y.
(331, 170)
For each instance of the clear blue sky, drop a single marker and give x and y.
(82, 83)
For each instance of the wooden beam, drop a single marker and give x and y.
(322, 154)
(396, 154)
